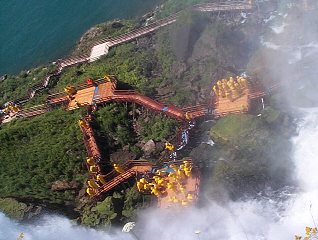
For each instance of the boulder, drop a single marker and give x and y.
(4, 77)
(62, 185)
(166, 91)
(117, 25)
(149, 147)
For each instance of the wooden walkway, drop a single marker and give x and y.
(126, 37)
(105, 91)
(224, 6)
(89, 140)
(92, 94)
(34, 111)
(111, 42)
(132, 169)
(191, 186)
(224, 106)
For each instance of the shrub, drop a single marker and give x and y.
(36, 152)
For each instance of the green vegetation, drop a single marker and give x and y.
(127, 62)
(101, 31)
(156, 127)
(36, 152)
(102, 214)
(15, 87)
(173, 6)
(120, 207)
(13, 208)
(249, 153)
(175, 65)
(271, 116)
(114, 126)
(232, 128)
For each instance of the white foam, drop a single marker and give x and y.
(209, 142)
(271, 17)
(52, 228)
(279, 29)
(279, 216)
(269, 45)
(295, 56)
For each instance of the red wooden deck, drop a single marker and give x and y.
(192, 187)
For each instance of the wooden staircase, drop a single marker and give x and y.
(134, 168)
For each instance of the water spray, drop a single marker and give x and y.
(312, 216)
(128, 228)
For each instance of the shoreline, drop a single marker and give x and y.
(68, 49)
(75, 70)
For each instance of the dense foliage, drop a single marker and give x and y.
(173, 6)
(36, 152)
(156, 128)
(13, 208)
(15, 87)
(177, 64)
(114, 126)
(120, 207)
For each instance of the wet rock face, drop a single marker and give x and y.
(185, 34)
(18, 210)
(249, 153)
(62, 185)
(238, 44)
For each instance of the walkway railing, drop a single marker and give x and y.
(136, 167)
(111, 42)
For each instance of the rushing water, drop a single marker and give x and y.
(51, 228)
(276, 216)
(34, 32)
(262, 219)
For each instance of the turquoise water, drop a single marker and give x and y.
(34, 32)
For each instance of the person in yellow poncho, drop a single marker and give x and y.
(118, 168)
(101, 179)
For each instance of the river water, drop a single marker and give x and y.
(34, 32)
(278, 216)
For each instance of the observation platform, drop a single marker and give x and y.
(89, 95)
(223, 106)
(191, 186)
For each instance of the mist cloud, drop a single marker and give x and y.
(290, 47)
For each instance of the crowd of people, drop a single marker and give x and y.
(169, 182)
(231, 88)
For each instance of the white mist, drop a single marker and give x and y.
(278, 216)
(52, 228)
